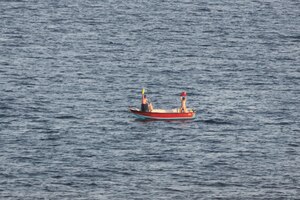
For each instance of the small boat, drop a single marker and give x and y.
(160, 114)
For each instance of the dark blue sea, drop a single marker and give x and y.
(69, 70)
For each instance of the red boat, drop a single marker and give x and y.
(160, 114)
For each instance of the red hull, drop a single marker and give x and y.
(163, 116)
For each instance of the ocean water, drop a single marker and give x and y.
(69, 70)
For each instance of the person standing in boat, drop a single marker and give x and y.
(183, 102)
(145, 107)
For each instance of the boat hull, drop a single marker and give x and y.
(163, 116)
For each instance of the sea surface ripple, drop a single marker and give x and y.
(69, 70)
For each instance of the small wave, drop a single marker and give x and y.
(66, 117)
(294, 38)
(51, 138)
(216, 121)
(4, 116)
(294, 144)
(172, 189)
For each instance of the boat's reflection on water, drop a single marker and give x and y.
(169, 124)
